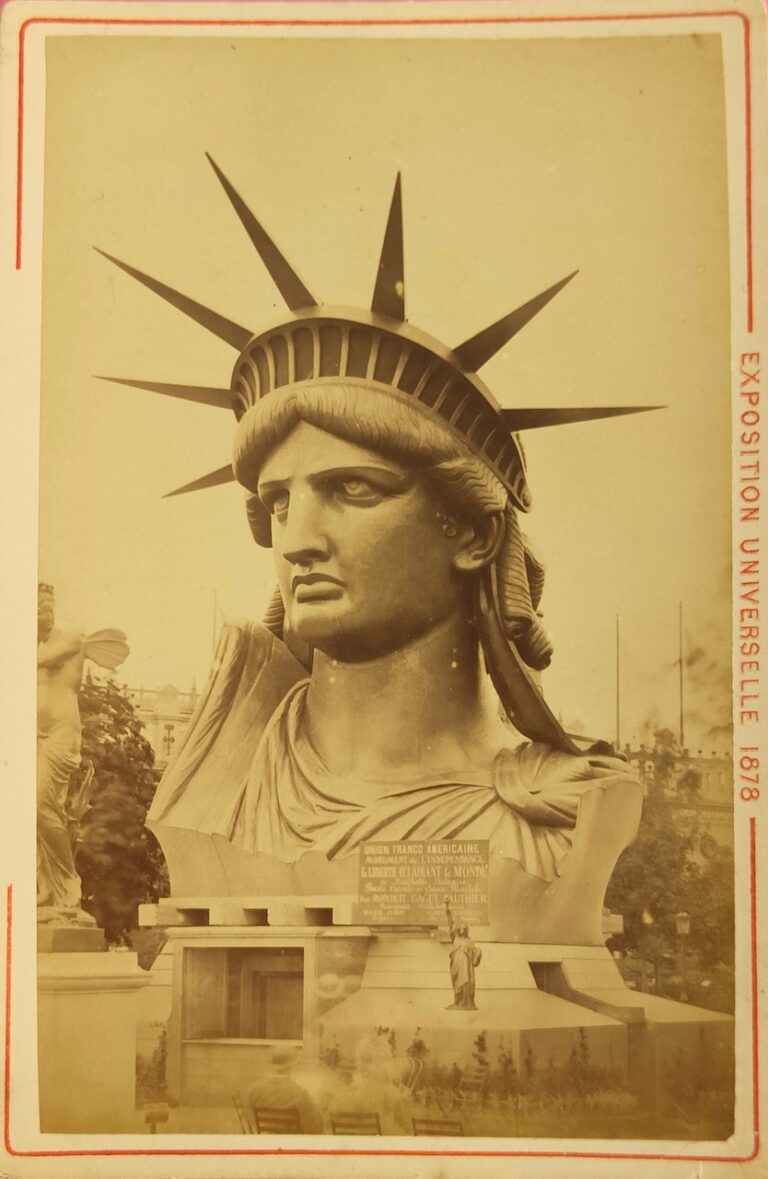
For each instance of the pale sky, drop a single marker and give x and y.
(521, 162)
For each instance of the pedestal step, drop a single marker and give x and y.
(257, 910)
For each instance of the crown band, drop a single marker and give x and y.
(327, 348)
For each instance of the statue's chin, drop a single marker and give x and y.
(345, 642)
(347, 646)
(353, 632)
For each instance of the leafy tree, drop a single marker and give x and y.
(649, 883)
(710, 903)
(119, 860)
(655, 879)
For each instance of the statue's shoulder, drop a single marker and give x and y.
(248, 648)
(253, 672)
(532, 774)
(60, 645)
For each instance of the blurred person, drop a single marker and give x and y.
(276, 1089)
(374, 1091)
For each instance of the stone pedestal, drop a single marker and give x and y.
(669, 1042)
(538, 1002)
(406, 985)
(87, 1041)
(534, 999)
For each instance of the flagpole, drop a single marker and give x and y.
(618, 688)
(680, 658)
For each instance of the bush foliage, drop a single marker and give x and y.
(119, 860)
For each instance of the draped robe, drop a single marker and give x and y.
(245, 771)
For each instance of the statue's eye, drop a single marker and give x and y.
(361, 489)
(356, 488)
(277, 503)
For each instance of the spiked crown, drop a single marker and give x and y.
(378, 347)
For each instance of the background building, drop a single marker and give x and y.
(699, 788)
(165, 714)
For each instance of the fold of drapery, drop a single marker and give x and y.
(203, 786)
(293, 804)
(244, 771)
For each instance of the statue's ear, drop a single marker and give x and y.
(480, 544)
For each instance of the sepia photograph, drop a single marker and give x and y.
(386, 383)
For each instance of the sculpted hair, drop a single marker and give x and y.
(465, 485)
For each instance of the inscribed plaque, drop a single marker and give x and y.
(406, 883)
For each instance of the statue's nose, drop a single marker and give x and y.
(304, 539)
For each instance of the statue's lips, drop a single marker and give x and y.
(316, 587)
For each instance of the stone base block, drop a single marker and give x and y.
(533, 1000)
(522, 1022)
(58, 939)
(87, 1041)
(406, 985)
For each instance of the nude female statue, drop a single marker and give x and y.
(61, 655)
(384, 477)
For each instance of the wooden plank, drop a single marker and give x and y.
(164, 914)
(233, 912)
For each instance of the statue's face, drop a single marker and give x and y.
(363, 564)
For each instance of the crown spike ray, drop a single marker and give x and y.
(225, 329)
(389, 292)
(201, 394)
(516, 420)
(212, 479)
(475, 352)
(282, 273)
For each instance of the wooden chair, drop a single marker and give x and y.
(277, 1121)
(356, 1123)
(472, 1084)
(242, 1113)
(438, 1127)
(409, 1070)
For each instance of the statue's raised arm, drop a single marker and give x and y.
(449, 919)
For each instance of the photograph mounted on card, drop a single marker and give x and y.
(394, 441)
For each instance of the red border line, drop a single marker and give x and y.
(755, 981)
(425, 21)
(748, 179)
(569, 1154)
(7, 1063)
(414, 21)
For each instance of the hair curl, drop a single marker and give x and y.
(465, 485)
